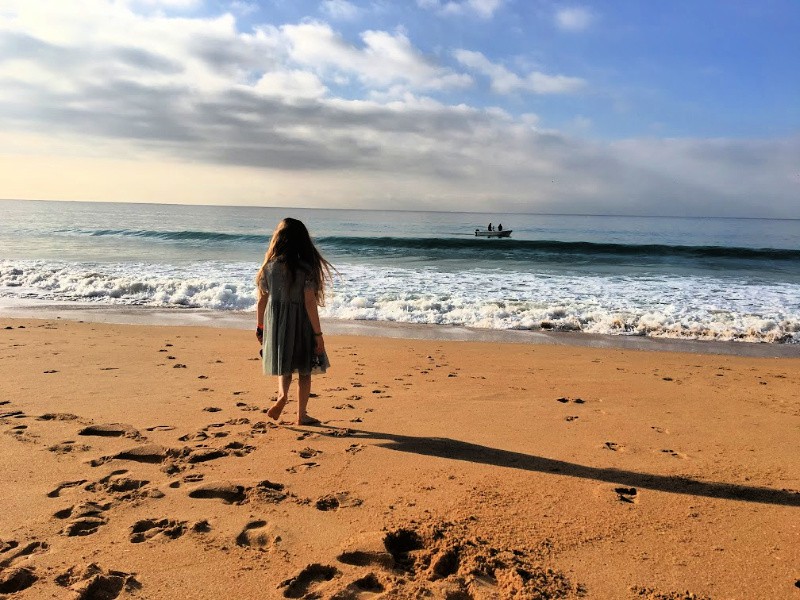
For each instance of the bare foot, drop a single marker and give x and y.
(307, 420)
(275, 411)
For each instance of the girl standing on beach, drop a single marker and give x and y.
(291, 284)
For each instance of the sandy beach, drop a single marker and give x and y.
(138, 461)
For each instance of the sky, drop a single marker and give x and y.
(680, 108)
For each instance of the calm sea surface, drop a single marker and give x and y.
(723, 279)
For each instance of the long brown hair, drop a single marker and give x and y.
(291, 244)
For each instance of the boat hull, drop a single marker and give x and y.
(493, 234)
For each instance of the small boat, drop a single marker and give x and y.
(493, 234)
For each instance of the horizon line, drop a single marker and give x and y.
(402, 210)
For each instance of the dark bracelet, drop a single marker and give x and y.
(259, 329)
(318, 334)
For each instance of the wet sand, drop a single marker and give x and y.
(138, 461)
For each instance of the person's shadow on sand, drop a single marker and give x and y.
(458, 450)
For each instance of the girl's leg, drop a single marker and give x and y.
(284, 381)
(303, 392)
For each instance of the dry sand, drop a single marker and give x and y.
(138, 461)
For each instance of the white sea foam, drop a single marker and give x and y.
(665, 306)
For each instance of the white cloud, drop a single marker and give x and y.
(291, 85)
(168, 4)
(385, 58)
(243, 8)
(484, 9)
(573, 19)
(341, 10)
(504, 81)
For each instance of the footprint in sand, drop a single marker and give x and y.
(13, 414)
(304, 582)
(149, 453)
(14, 551)
(337, 501)
(84, 509)
(5, 546)
(63, 486)
(627, 494)
(84, 526)
(57, 417)
(673, 453)
(614, 447)
(16, 580)
(147, 529)
(200, 455)
(302, 467)
(111, 430)
(94, 583)
(260, 428)
(370, 584)
(268, 491)
(229, 493)
(68, 447)
(160, 428)
(194, 437)
(307, 452)
(256, 534)
(239, 449)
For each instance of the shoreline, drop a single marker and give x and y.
(133, 315)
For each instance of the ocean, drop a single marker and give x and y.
(685, 278)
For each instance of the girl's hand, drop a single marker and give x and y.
(319, 347)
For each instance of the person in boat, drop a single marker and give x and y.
(500, 227)
(490, 227)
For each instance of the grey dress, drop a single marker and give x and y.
(289, 340)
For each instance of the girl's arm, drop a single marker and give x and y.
(260, 308)
(313, 316)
